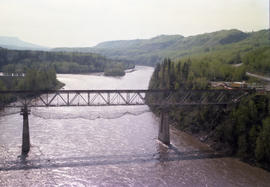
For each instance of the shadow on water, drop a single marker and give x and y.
(171, 154)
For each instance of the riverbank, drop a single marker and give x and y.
(241, 130)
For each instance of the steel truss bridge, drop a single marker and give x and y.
(60, 98)
(164, 99)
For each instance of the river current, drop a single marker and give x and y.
(111, 146)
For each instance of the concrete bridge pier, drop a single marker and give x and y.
(25, 134)
(164, 128)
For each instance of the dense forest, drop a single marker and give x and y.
(243, 129)
(15, 61)
(258, 61)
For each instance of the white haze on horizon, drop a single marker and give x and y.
(56, 23)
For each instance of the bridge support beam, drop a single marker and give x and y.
(164, 128)
(25, 134)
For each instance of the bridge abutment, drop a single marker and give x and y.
(25, 134)
(164, 128)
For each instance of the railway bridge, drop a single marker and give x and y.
(160, 99)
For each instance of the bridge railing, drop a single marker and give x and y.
(59, 98)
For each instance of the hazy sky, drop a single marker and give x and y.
(57, 23)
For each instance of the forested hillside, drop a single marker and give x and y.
(243, 129)
(63, 62)
(227, 46)
(258, 61)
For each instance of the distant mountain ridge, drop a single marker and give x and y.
(151, 51)
(17, 44)
(226, 44)
(165, 39)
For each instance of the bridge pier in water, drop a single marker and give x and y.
(164, 128)
(25, 134)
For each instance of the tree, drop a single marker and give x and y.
(262, 151)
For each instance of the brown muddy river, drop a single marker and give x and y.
(111, 146)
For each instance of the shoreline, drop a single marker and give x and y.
(99, 73)
(219, 147)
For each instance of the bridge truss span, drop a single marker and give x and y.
(60, 98)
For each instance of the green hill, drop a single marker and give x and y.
(228, 45)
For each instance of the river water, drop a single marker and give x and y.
(111, 146)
